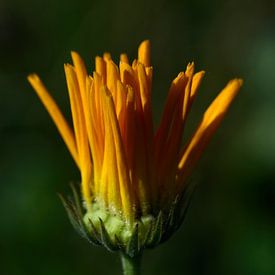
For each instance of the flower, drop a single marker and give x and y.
(132, 178)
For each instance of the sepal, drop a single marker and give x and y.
(116, 234)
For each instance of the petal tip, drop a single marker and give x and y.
(32, 77)
(144, 53)
(235, 84)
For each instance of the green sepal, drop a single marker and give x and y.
(178, 211)
(76, 199)
(119, 243)
(184, 203)
(132, 248)
(146, 232)
(105, 238)
(73, 215)
(171, 216)
(156, 232)
(76, 218)
(93, 232)
(171, 220)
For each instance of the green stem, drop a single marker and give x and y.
(130, 266)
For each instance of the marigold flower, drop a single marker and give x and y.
(132, 177)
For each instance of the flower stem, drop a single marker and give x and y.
(130, 266)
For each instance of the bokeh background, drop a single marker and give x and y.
(230, 227)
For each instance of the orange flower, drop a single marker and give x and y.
(125, 166)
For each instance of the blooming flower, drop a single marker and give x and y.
(129, 172)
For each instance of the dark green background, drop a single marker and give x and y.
(230, 228)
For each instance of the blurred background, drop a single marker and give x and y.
(230, 227)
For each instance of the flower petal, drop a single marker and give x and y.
(210, 122)
(80, 131)
(56, 115)
(144, 54)
(115, 169)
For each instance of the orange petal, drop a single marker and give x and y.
(210, 122)
(176, 90)
(56, 115)
(145, 96)
(83, 81)
(196, 82)
(144, 54)
(80, 131)
(100, 67)
(112, 78)
(115, 167)
(124, 58)
(187, 94)
(107, 56)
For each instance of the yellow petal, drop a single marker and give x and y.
(145, 94)
(96, 140)
(80, 131)
(121, 105)
(107, 56)
(168, 137)
(81, 75)
(187, 94)
(210, 122)
(100, 67)
(112, 78)
(115, 168)
(127, 74)
(56, 115)
(81, 72)
(196, 82)
(176, 90)
(144, 54)
(130, 128)
(124, 58)
(109, 189)
(149, 74)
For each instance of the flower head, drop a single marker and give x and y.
(129, 172)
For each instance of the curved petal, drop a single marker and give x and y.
(210, 122)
